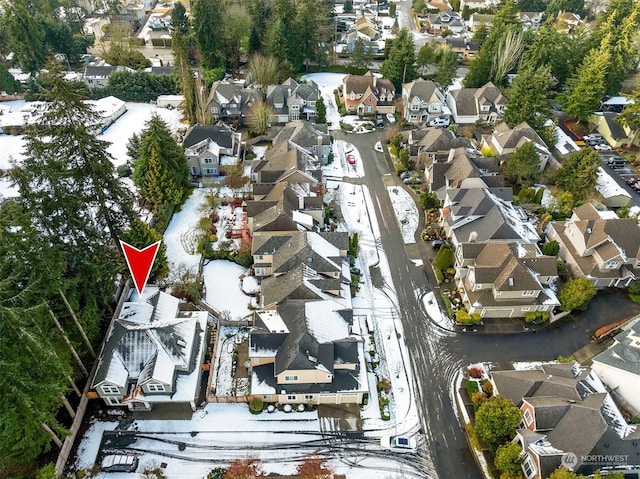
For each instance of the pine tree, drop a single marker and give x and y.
(528, 98)
(447, 67)
(142, 235)
(207, 29)
(160, 170)
(400, 65)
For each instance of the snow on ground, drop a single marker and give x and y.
(406, 212)
(223, 288)
(90, 443)
(435, 313)
(182, 235)
(118, 134)
(328, 82)
(134, 121)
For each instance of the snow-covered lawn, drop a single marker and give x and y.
(118, 134)
(223, 288)
(182, 235)
(406, 212)
(328, 82)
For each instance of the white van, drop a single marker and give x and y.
(440, 122)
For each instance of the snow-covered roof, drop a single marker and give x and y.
(608, 187)
(324, 322)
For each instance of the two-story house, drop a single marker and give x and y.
(98, 76)
(367, 94)
(445, 21)
(599, 246)
(293, 101)
(505, 140)
(505, 280)
(230, 103)
(315, 139)
(208, 148)
(307, 352)
(423, 101)
(568, 418)
(152, 354)
(430, 144)
(463, 168)
(464, 48)
(484, 215)
(476, 105)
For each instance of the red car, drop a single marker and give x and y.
(351, 159)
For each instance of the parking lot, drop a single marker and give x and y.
(620, 170)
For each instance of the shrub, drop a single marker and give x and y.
(552, 248)
(462, 317)
(487, 387)
(384, 385)
(477, 398)
(124, 171)
(476, 372)
(256, 405)
(634, 289)
(530, 317)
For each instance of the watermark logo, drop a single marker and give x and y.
(569, 460)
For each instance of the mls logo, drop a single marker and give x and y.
(569, 460)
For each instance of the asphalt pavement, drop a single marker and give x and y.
(438, 356)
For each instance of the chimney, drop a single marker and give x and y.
(473, 236)
(452, 152)
(319, 138)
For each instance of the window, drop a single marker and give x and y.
(612, 265)
(529, 470)
(528, 419)
(308, 397)
(107, 389)
(215, 109)
(259, 257)
(113, 401)
(415, 106)
(210, 171)
(484, 108)
(529, 293)
(291, 397)
(207, 161)
(155, 387)
(525, 308)
(295, 107)
(260, 271)
(290, 378)
(370, 109)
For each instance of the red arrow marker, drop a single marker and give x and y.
(140, 262)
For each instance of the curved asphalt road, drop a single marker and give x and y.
(438, 356)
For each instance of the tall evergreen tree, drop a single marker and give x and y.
(555, 49)
(207, 29)
(447, 67)
(142, 235)
(528, 98)
(586, 88)
(579, 174)
(630, 116)
(26, 35)
(400, 66)
(160, 170)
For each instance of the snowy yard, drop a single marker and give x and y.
(406, 212)
(118, 134)
(223, 288)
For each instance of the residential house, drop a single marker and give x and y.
(476, 20)
(568, 21)
(376, 47)
(230, 102)
(307, 352)
(599, 246)
(464, 48)
(109, 109)
(505, 140)
(619, 368)
(292, 101)
(505, 280)
(208, 148)
(276, 253)
(430, 144)
(478, 4)
(530, 19)
(485, 214)
(98, 76)
(153, 354)
(366, 26)
(286, 162)
(566, 411)
(441, 22)
(615, 134)
(285, 207)
(476, 105)
(463, 168)
(314, 139)
(423, 101)
(367, 94)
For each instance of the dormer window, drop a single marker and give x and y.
(484, 108)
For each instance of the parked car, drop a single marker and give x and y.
(413, 180)
(354, 270)
(351, 159)
(616, 162)
(440, 122)
(437, 244)
(405, 174)
(592, 136)
(632, 181)
(602, 147)
(391, 118)
(401, 444)
(379, 121)
(595, 141)
(119, 463)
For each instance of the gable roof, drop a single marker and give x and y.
(150, 340)
(624, 354)
(221, 135)
(425, 90)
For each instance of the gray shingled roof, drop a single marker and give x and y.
(220, 135)
(624, 354)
